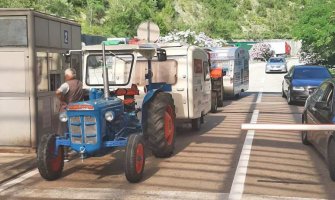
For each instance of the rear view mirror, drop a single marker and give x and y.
(161, 55)
(67, 57)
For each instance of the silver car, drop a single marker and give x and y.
(276, 64)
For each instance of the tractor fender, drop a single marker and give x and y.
(150, 94)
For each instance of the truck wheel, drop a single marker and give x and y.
(160, 125)
(196, 124)
(237, 96)
(50, 165)
(135, 158)
(331, 158)
(220, 97)
(214, 102)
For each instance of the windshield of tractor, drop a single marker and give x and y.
(119, 69)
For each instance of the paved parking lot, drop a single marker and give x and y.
(219, 162)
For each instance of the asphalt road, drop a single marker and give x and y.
(218, 162)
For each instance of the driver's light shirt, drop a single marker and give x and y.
(64, 88)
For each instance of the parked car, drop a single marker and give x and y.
(276, 64)
(302, 80)
(320, 109)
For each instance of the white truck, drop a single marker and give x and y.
(234, 61)
(280, 48)
(187, 75)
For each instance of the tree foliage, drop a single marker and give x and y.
(227, 19)
(316, 28)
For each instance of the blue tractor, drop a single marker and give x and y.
(107, 121)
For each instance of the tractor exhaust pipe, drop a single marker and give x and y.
(105, 73)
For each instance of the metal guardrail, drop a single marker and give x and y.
(289, 127)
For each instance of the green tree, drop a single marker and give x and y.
(316, 28)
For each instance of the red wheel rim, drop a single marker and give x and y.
(55, 161)
(139, 158)
(169, 125)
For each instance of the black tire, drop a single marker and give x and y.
(135, 158)
(159, 125)
(283, 92)
(220, 97)
(237, 96)
(196, 124)
(214, 102)
(289, 98)
(304, 138)
(331, 158)
(49, 165)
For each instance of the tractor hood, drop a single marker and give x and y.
(96, 104)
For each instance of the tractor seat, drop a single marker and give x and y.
(127, 91)
(128, 94)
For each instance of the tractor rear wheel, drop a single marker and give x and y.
(160, 125)
(49, 164)
(135, 158)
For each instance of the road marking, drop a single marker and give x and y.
(110, 193)
(18, 180)
(259, 96)
(237, 187)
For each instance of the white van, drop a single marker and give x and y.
(235, 63)
(186, 71)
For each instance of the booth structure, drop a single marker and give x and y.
(31, 69)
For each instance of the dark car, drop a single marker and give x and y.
(302, 80)
(320, 109)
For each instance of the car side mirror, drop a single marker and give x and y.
(67, 57)
(287, 76)
(224, 73)
(321, 105)
(161, 55)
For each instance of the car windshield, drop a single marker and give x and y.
(311, 73)
(119, 69)
(276, 60)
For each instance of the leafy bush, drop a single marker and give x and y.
(190, 37)
(261, 51)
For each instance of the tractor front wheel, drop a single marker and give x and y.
(160, 125)
(49, 162)
(135, 158)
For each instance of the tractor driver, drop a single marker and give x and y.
(70, 91)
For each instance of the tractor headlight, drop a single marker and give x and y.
(63, 117)
(109, 116)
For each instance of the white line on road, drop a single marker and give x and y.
(18, 180)
(259, 97)
(237, 187)
(133, 194)
(111, 193)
